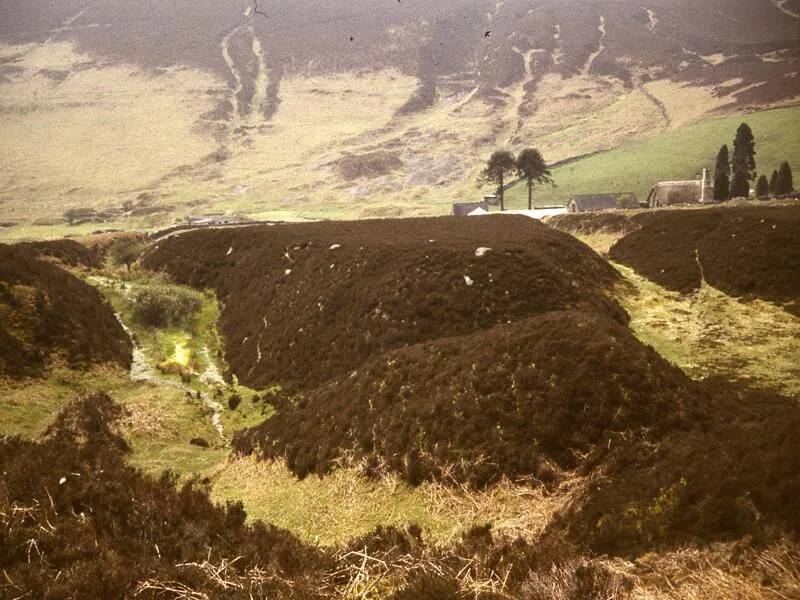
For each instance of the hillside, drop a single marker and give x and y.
(344, 109)
(50, 316)
(668, 156)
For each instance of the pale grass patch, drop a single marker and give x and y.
(581, 114)
(28, 406)
(710, 332)
(600, 241)
(103, 130)
(691, 574)
(343, 504)
(686, 104)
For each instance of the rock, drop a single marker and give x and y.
(198, 441)
(481, 251)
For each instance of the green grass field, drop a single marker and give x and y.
(680, 154)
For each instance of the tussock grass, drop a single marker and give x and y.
(712, 333)
(333, 509)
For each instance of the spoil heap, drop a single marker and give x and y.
(50, 315)
(509, 401)
(752, 251)
(307, 303)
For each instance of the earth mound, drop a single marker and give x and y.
(748, 251)
(49, 315)
(509, 401)
(734, 473)
(67, 252)
(99, 528)
(304, 303)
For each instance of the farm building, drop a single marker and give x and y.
(593, 202)
(670, 193)
(539, 213)
(463, 209)
(211, 219)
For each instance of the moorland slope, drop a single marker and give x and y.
(300, 110)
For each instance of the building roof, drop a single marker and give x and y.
(478, 212)
(666, 193)
(462, 209)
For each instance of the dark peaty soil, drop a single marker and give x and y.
(49, 313)
(750, 251)
(97, 527)
(312, 313)
(67, 252)
(501, 402)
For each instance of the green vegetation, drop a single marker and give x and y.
(744, 151)
(126, 251)
(711, 333)
(679, 154)
(740, 186)
(722, 178)
(162, 305)
(784, 183)
(762, 187)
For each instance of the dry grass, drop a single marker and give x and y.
(99, 133)
(772, 573)
(344, 504)
(711, 333)
(141, 127)
(686, 104)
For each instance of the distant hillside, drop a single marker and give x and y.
(679, 154)
(352, 108)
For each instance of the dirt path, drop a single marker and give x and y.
(600, 47)
(781, 6)
(651, 26)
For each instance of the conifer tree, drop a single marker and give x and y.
(744, 152)
(784, 183)
(762, 187)
(721, 175)
(500, 163)
(532, 168)
(740, 186)
(773, 181)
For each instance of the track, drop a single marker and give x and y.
(781, 6)
(601, 46)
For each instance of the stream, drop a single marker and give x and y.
(143, 371)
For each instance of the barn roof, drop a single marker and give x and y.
(462, 209)
(667, 193)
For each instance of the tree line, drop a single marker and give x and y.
(528, 165)
(733, 174)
